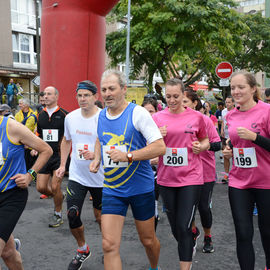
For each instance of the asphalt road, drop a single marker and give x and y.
(45, 248)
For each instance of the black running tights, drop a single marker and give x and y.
(242, 204)
(180, 204)
(204, 204)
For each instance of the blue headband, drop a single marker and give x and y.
(87, 86)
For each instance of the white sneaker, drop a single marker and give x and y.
(17, 243)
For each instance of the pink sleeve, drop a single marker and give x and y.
(213, 118)
(202, 128)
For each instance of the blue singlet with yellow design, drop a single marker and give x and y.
(12, 156)
(137, 177)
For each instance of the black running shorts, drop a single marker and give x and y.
(51, 166)
(12, 204)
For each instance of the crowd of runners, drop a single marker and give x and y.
(130, 155)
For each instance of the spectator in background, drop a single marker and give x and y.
(267, 95)
(99, 104)
(27, 117)
(2, 89)
(41, 104)
(20, 89)
(218, 114)
(207, 112)
(11, 91)
(5, 110)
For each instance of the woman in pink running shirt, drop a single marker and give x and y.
(180, 173)
(249, 181)
(192, 101)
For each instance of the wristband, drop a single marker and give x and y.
(33, 174)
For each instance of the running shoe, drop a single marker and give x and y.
(79, 259)
(56, 221)
(64, 195)
(225, 179)
(157, 218)
(208, 245)
(17, 243)
(43, 196)
(255, 211)
(195, 234)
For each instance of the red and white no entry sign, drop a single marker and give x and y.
(224, 70)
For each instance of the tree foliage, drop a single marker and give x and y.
(191, 36)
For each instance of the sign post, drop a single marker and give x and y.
(224, 70)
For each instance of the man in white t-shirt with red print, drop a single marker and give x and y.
(225, 135)
(81, 134)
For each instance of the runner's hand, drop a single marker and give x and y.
(246, 134)
(227, 151)
(196, 147)
(22, 180)
(117, 155)
(94, 166)
(87, 154)
(33, 153)
(60, 172)
(163, 131)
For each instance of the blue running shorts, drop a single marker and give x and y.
(142, 205)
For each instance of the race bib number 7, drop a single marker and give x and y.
(108, 162)
(245, 157)
(175, 157)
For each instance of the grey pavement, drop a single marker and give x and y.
(45, 248)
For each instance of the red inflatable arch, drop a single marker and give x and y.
(72, 45)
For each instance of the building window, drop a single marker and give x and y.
(23, 12)
(23, 48)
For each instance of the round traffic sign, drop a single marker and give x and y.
(224, 70)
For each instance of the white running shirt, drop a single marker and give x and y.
(83, 133)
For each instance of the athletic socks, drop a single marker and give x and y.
(83, 248)
(58, 213)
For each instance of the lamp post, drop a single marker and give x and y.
(128, 43)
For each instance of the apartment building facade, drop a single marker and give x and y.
(18, 50)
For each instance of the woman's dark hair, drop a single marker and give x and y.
(151, 101)
(192, 95)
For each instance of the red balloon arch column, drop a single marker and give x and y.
(72, 45)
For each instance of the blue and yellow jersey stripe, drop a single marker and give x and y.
(137, 177)
(12, 158)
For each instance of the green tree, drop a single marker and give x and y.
(171, 35)
(255, 53)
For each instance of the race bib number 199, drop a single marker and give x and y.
(108, 162)
(245, 157)
(175, 157)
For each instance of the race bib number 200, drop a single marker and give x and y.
(108, 162)
(175, 157)
(245, 157)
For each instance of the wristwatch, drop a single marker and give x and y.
(33, 174)
(129, 157)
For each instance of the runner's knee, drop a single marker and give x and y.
(74, 219)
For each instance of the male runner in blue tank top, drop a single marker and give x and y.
(124, 129)
(14, 180)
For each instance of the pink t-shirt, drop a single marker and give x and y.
(182, 130)
(214, 119)
(208, 157)
(257, 119)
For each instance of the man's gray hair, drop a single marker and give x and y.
(25, 101)
(120, 75)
